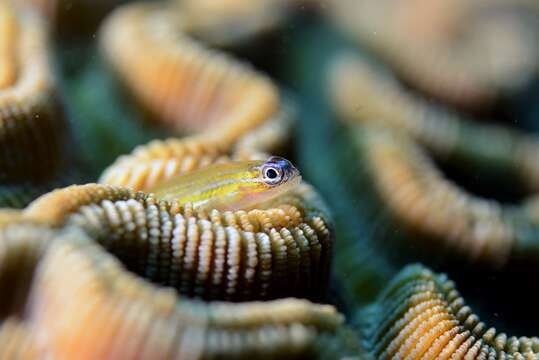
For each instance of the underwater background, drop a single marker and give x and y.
(414, 124)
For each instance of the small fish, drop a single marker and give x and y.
(231, 186)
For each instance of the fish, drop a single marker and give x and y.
(231, 186)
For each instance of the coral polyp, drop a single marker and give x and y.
(159, 160)
(182, 328)
(30, 112)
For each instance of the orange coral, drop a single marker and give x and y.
(185, 85)
(466, 53)
(425, 202)
(231, 21)
(97, 309)
(223, 103)
(421, 315)
(284, 250)
(362, 93)
(422, 199)
(33, 130)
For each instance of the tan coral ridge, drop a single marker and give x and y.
(186, 85)
(421, 199)
(33, 129)
(257, 254)
(421, 315)
(98, 309)
(70, 18)
(402, 136)
(159, 160)
(226, 22)
(363, 93)
(464, 52)
(224, 105)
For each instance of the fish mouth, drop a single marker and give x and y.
(293, 180)
(269, 196)
(290, 170)
(287, 186)
(293, 177)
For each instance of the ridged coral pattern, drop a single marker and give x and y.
(33, 129)
(421, 198)
(445, 133)
(159, 160)
(114, 313)
(184, 84)
(282, 251)
(106, 271)
(211, 20)
(114, 241)
(224, 104)
(421, 315)
(465, 53)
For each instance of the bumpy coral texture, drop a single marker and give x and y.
(212, 20)
(118, 244)
(421, 315)
(107, 271)
(101, 271)
(424, 201)
(446, 134)
(186, 85)
(284, 250)
(466, 53)
(113, 313)
(33, 129)
(70, 18)
(224, 105)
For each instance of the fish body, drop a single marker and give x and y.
(231, 186)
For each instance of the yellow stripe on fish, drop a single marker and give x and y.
(231, 186)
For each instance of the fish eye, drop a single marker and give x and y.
(272, 175)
